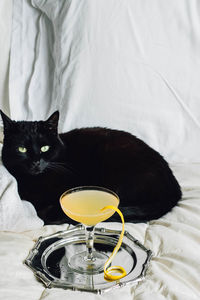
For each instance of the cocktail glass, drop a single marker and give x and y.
(84, 204)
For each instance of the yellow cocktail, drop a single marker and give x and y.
(84, 205)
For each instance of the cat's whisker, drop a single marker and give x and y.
(58, 163)
(68, 166)
(61, 167)
(57, 169)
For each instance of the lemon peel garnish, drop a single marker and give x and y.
(114, 269)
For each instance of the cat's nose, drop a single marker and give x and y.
(36, 163)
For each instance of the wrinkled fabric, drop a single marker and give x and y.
(174, 270)
(131, 65)
(5, 39)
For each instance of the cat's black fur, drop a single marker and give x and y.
(97, 156)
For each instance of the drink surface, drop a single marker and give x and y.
(85, 206)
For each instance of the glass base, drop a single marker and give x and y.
(81, 264)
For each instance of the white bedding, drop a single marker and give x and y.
(128, 64)
(5, 37)
(174, 270)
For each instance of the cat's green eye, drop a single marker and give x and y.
(22, 149)
(44, 148)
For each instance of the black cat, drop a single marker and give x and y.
(46, 164)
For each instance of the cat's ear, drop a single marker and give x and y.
(7, 122)
(52, 121)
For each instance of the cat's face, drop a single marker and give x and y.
(30, 147)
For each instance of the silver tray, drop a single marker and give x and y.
(49, 259)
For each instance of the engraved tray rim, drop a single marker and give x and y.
(51, 282)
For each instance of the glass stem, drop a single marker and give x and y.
(89, 231)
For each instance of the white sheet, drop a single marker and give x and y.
(5, 36)
(132, 65)
(174, 271)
